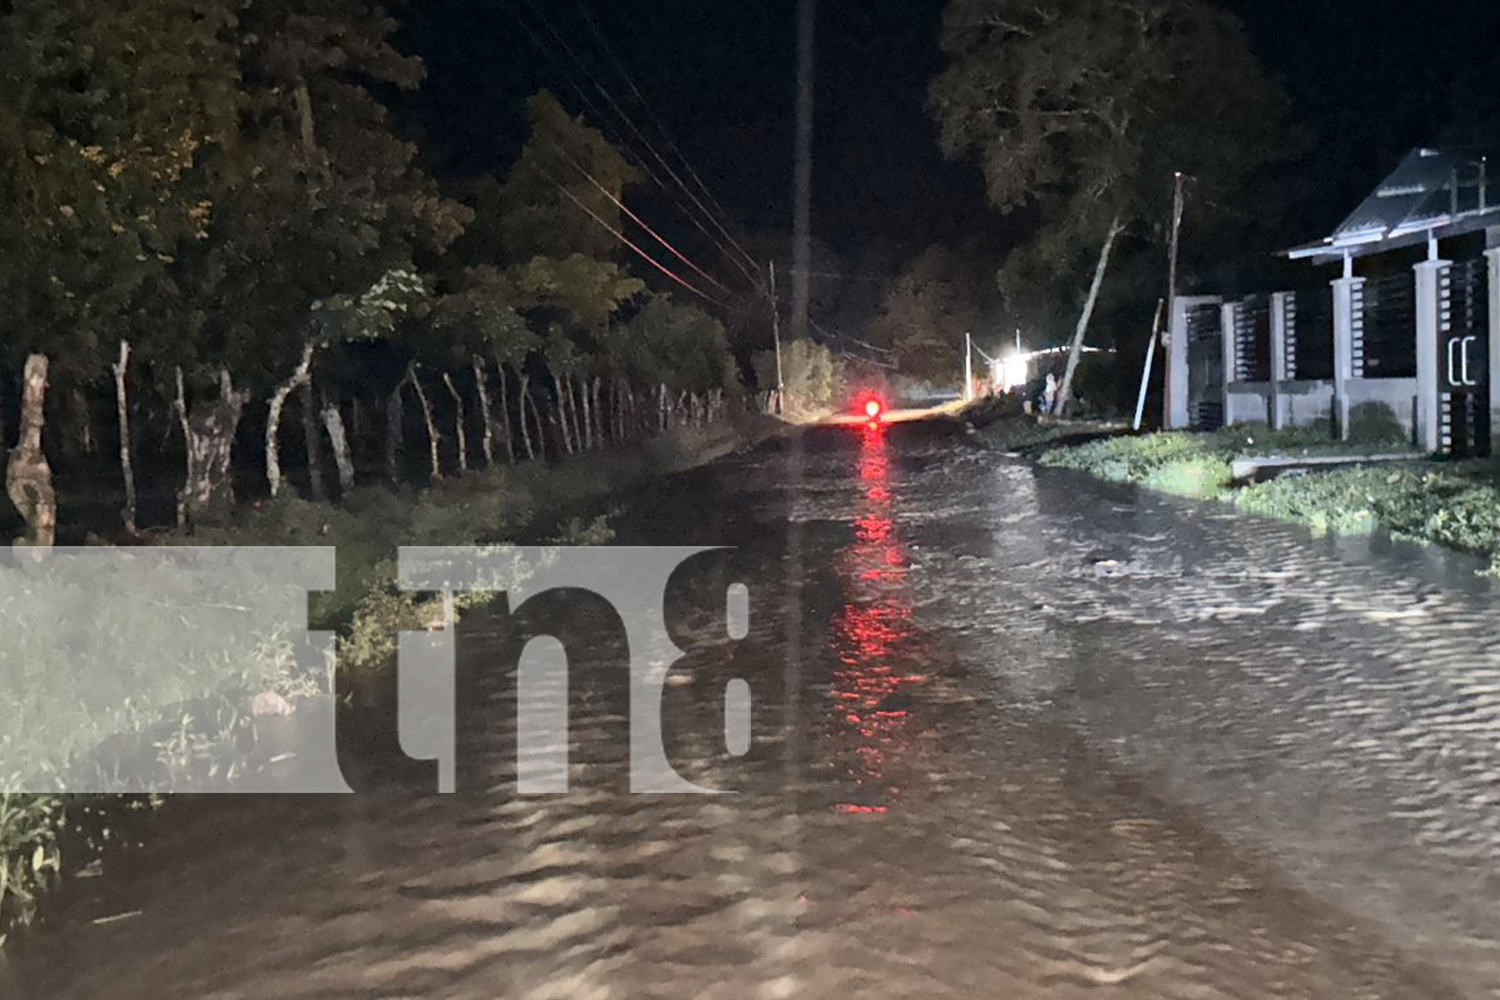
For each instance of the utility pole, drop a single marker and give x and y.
(1140, 399)
(1176, 231)
(968, 369)
(1171, 302)
(776, 334)
(802, 221)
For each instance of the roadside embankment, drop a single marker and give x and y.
(999, 422)
(1449, 503)
(195, 723)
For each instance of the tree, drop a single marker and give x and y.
(1083, 111)
(557, 199)
(480, 316)
(939, 297)
(109, 116)
(814, 377)
(318, 202)
(371, 315)
(678, 345)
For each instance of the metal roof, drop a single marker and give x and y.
(1433, 193)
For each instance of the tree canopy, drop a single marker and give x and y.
(1082, 112)
(219, 186)
(938, 297)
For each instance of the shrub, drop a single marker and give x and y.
(1204, 477)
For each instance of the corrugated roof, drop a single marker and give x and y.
(1418, 191)
(1432, 190)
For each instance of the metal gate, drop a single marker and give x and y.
(1205, 366)
(1385, 329)
(1252, 339)
(1309, 333)
(1463, 359)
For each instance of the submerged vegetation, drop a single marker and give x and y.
(1454, 504)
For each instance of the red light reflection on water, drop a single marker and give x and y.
(871, 631)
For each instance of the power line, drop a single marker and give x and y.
(605, 121)
(661, 127)
(837, 336)
(568, 78)
(649, 259)
(843, 275)
(638, 220)
(623, 116)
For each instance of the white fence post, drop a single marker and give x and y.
(1492, 289)
(1176, 382)
(1279, 368)
(1345, 291)
(1228, 313)
(1431, 322)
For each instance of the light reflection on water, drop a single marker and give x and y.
(869, 632)
(985, 647)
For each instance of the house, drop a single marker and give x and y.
(1415, 340)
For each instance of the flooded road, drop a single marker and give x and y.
(1016, 734)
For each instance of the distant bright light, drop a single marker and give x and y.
(1013, 370)
(872, 408)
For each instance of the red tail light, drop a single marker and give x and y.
(873, 408)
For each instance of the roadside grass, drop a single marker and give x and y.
(1453, 504)
(1456, 505)
(1197, 464)
(195, 721)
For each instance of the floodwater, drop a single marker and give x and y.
(1016, 734)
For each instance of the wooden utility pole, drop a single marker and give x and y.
(1177, 208)
(780, 406)
(1176, 231)
(802, 221)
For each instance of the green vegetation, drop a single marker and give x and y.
(1197, 464)
(814, 378)
(196, 720)
(1454, 504)
(214, 226)
(1457, 506)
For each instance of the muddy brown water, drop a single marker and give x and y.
(1016, 734)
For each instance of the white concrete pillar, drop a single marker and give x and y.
(1430, 327)
(1178, 392)
(1279, 305)
(1344, 290)
(1176, 384)
(1227, 313)
(1492, 289)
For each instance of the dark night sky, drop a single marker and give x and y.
(1372, 78)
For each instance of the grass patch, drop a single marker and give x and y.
(1193, 464)
(1456, 504)
(1176, 462)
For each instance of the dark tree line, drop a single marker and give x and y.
(213, 223)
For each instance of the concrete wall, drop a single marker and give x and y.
(1310, 402)
(1399, 395)
(1247, 403)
